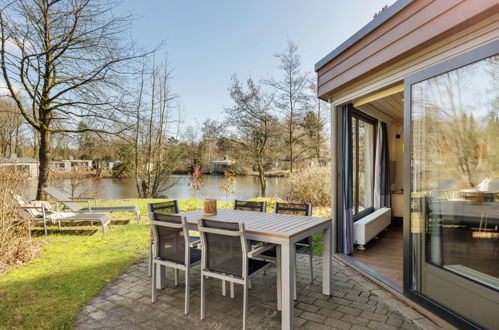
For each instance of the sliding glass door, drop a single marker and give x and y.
(452, 122)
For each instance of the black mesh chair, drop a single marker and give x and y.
(304, 245)
(172, 248)
(168, 207)
(250, 206)
(225, 256)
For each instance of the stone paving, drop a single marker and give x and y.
(356, 303)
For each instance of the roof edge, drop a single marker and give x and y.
(384, 16)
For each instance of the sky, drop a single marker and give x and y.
(208, 40)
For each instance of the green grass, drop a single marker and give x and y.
(50, 291)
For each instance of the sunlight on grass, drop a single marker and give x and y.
(71, 269)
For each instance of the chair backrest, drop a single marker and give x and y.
(250, 206)
(293, 208)
(171, 238)
(157, 210)
(59, 195)
(224, 247)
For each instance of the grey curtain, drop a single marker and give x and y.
(382, 169)
(347, 180)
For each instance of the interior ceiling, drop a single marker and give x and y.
(389, 108)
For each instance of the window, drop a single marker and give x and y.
(363, 164)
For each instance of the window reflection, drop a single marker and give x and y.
(455, 170)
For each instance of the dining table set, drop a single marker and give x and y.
(279, 231)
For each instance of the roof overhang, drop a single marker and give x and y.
(384, 16)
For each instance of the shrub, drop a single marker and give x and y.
(310, 185)
(16, 246)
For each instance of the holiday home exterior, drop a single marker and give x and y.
(415, 119)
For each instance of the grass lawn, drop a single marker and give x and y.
(74, 265)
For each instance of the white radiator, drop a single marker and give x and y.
(371, 225)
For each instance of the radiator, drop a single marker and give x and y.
(371, 225)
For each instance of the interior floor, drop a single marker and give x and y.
(385, 254)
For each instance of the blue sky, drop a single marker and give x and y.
(208, 40)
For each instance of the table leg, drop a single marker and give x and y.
(278, 275)
(326, 262)
(287, 271)
(161, 277)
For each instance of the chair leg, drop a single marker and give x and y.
(137, 214)
(103, 228)
(176, 277)
(245, 305)
(250, 284)
(150, 258)
(187, 284)
(203, 307)
(45, 226)
(153, 281)
(59, 225)
(311, 257)
(232, 290)
(294, 283)
(224, 288)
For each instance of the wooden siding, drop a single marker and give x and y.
(424, 30)
(474, 36)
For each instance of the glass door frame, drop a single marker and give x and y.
(469, 57)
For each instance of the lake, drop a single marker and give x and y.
(247, 187)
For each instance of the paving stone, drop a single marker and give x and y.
(355, 319)
(374, 316)
(313, 317)
(307, 307)
(349, 310)
(380, 326)
(337, 324)
(331, 313)
(356, 303)
(311, 325)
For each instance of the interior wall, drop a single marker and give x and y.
(396, 150)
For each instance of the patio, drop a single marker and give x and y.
(356, 304)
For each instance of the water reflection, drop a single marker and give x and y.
(247, 188)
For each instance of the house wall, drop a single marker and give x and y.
(422, 34)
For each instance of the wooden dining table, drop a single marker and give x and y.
(284, 230)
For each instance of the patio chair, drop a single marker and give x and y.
(62, 198)
(173, 249)
(156, 212)
(305, 245)
(225, 256)
(36, 213)
(250, 206)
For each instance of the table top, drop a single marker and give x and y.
(260, 223)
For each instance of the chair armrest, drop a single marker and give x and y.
(260, 250)
(195, 243)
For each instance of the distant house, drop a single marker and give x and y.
(221, 165)
(67, 165)
(27, 163)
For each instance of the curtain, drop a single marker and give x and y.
(382, 169)
(347, 180)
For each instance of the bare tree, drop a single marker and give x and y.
(253, 123)
(157, 151)
(292, 100)
(69, 60)
(11, 128)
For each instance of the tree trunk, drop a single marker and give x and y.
(43, 150)
(262, 180)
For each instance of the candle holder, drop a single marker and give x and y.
(210, 207)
